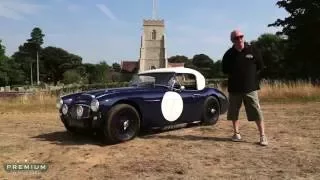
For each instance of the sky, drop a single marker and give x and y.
(110, 30)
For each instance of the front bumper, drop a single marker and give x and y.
(87, 120)
(85, 123)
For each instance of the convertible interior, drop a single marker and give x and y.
(187, 80)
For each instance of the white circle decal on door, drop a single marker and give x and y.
(171, 106)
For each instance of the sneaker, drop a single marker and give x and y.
(236, 137)
(263, 141)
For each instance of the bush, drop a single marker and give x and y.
(71, 76)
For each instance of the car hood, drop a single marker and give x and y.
(87, 96)
(99, 92)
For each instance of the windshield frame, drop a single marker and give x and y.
(163, 79)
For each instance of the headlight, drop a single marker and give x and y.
(79, 111)
(94, 105)
(59, 103)
(64, 109)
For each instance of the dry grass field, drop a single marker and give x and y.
(31, 130)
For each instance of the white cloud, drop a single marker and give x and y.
(16, 9)
(103, 8)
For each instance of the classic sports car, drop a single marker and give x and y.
(157, 98)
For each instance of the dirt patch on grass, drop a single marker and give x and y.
(199, 152)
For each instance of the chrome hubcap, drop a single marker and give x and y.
(212, 110)
(125, 124)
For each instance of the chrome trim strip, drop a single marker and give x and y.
(93, 96)
(83, 105)
(156, 100)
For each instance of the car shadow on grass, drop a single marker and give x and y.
(158, 135)
(67, 138)
(188, 138)
(87, 138)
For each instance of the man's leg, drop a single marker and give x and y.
(235, 124)
(260, 125)
(254, 113)
(235, 100)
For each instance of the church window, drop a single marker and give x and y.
(154, 34)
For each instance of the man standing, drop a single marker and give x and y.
(242, 63)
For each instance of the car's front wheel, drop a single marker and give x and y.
(211, 111)
(71, 130)
(121, 124)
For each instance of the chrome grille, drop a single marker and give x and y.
(73, 111)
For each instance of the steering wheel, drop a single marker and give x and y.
(175, 83)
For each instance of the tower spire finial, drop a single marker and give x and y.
(154, 10)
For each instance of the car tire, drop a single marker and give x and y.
(121, 124)
(211, 111)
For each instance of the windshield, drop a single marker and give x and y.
(164, 79)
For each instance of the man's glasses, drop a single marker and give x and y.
(238, 37)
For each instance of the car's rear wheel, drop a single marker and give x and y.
(211, 111)
(121, 124)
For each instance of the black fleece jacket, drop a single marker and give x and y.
(243, 69)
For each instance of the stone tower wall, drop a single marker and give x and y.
(152, 51)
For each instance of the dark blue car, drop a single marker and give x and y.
(158, 98)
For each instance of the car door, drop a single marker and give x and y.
(192, 98)
(161, 105)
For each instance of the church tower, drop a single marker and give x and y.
(152, 50)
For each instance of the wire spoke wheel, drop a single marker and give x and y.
(123, 123)
(211, 111)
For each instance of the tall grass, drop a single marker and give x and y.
(270, 91)
(284, 90)
(289, 90)
(38, 102)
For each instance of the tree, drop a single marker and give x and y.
(188, 64)
(10, 73)
(25, 58)
(203, 64)
(2, 51)
(301, 28)
(102, 74)
(116, 67)
(89, 72)
(36, 41)
(4, 78)
(216, 70)
(71, 76)
(36, 37)
(272, 48)
(202, 61)
(98, 73)
(177, 59)
(28, 53)
(57, 61)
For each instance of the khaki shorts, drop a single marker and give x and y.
(251, 104)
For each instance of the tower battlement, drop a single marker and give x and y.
(152, 22)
